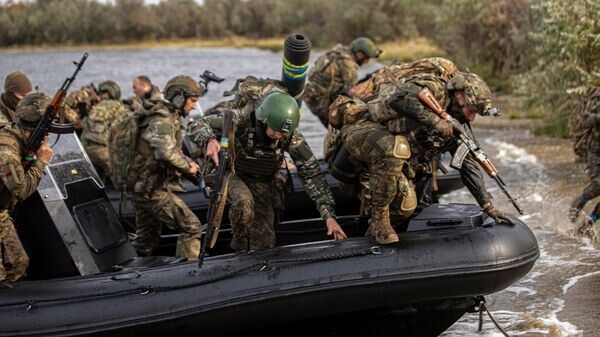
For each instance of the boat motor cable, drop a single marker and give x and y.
(482, 307)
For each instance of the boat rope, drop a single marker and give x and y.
(482, 308)
(147, 289)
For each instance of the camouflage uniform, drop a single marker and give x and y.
(333, 72)
(78, 104)
(590, 147)
(16, 185)
(404, 113)
(135, 102)
(158, 163)
(96, 128)
(7, 115)
(256, 190)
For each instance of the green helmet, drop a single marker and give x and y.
(113, 89)
(365, 45)
(477, 93)
(279, 111)
(31, 109)
(182, 85)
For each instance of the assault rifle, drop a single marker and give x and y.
(45, 125)
(466, 146)
(218, 196)
(206, 78)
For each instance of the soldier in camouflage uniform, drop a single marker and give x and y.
(16, 86)
(589, 146)
(262, 136)
(78, 104)
(390, 196)
(336, 72)
(462, 97)
(17, 184)
(143, 90)
(158, 164)
(97, 125)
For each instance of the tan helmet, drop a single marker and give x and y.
(477, 93)
(112, 88)
(31, 109)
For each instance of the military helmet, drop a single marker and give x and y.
(365, 45)
(113, 89)
(31, 109)
(182, 85)
(279, 111)
(477, 93)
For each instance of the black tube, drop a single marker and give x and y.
(296, 52)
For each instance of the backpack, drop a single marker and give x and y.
(122, 143)
(251, 90)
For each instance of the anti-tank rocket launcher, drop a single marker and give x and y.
(467, 145)
(47, 124)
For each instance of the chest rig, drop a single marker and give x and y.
(258, 155)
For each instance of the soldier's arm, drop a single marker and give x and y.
(313, 179)
(21, 184)
(406, 103)
(206, 128)
(159, 134)
(472, 178)
(348, 72)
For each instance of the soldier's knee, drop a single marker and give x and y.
(242, 207)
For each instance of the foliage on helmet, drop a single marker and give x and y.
(31, 109)
(477, 93)
(182, 85)
(365, 45)
(279, 111)
(113, 89)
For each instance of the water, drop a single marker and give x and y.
(537, 171)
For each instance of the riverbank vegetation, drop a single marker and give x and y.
(547, 51)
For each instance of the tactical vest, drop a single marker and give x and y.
(324, 76)
(259, 156)
(12, 140)
(97, 124)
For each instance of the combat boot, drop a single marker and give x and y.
(381, 227)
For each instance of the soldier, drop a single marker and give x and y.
(158, 164)
(16, 86)
(78, 104)
(97, 125)
(463, 96)
(589, 145)
(262, 136)
(17, 184)
(389, 194)
(336, 72)
(143, 89)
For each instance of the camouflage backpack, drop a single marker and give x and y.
(122, 142)
(583, 138)
(250, 90)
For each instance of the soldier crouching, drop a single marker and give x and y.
(18, 184)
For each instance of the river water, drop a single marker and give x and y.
(540, 171)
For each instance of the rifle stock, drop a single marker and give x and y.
(218, 196)
(466, 146)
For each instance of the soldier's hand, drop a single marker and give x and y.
(212, 150)
(496, 214)
(444, 127)
(333, 228)
(194, 167)
(44, 153)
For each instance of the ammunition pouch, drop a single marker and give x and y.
(263, 166)
(343, 166)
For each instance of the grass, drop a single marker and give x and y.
(274, 44)
(409, 50)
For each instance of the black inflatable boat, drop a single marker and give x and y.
(85, 277)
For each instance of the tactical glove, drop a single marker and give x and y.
(444, 127)
(496, 214)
